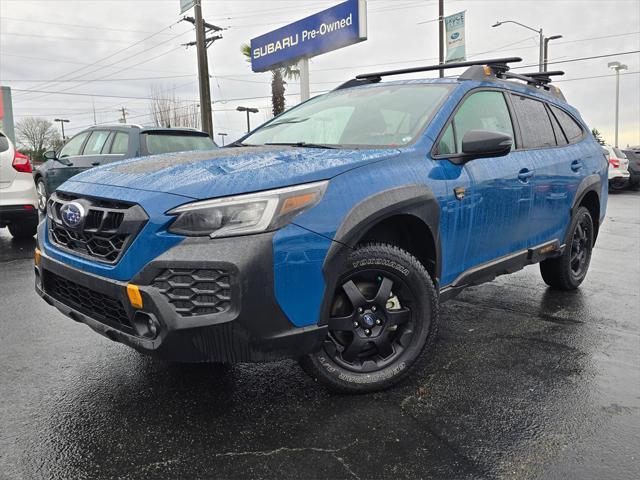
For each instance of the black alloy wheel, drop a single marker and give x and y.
(581, 246)
(371, 321)
(383, 315)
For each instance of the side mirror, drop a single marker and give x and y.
(484, 143)
(50, 155)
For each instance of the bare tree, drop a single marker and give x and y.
(167, 110)
(36, 135)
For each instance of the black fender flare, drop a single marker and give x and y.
(588, 184)
(415, 200)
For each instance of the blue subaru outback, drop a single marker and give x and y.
(331, 233)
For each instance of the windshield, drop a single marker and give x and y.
(161, 142)
(384, 116)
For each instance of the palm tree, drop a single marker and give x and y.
(278, 76)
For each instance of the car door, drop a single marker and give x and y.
(558, 166)
(117, 147)
(65, 165)
(490, 197)
(93, 151)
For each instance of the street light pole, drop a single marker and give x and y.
(62, 122)
(248, 110)
(542, 40)
(441, 35)
(617, 66)
(546, 50)
(222, 135)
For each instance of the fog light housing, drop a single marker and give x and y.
(146, 325)
(135, 298)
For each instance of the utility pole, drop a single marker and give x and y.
(93, 104)
(202, 43)
(617, 66)
(441, 35)
(62, 122)
(124, 115)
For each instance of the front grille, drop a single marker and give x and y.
(94, 304)
(193, 291)
(106, 230)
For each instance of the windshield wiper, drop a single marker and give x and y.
(303, 145)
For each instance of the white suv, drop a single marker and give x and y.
(618, 167)
(18, 198)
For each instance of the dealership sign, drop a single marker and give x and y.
(186, 5)
(454, 25)
(336, 27)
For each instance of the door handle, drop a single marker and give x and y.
(525, 174)
(95, 164)
(576, 165)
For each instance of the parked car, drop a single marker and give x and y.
(18, 198)
(102, 144)
(633, 155)
(332, 232)
(618, 167)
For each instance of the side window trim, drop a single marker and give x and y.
(515, 124)
(107, 145)
(553, 117)
(579, 124)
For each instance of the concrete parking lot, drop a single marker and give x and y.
(525, 382)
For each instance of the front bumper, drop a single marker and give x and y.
(250, 326)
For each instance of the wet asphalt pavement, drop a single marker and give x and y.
(524, 383)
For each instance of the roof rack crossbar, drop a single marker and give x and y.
(497, 64)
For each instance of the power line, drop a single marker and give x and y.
(90, 27)
(117, 52)
(27, 80)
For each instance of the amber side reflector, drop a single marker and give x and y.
(294, 203)
(487, 70)
(133, 292)
(36, 256)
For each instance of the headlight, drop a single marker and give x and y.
(244, 214)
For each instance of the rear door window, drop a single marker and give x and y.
(535, 124)
(96, 142)
(73, 146)
(120, 145)
(572, 130)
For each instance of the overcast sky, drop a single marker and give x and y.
(76, 42)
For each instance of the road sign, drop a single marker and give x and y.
(455, 37)
(336, 27)
(186, 5)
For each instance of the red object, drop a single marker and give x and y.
(28, 207)
(615, 163)
(21, 163)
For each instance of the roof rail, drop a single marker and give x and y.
(497, 65)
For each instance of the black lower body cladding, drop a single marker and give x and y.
(247, 324)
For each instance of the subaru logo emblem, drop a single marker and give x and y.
(455, 35)
(72, 214)
(369, 320)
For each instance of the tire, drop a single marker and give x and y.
(23, 230)
(41, 189)
(617, 184)
(392, 300)
(569, 270)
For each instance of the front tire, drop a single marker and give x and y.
(383, 315)
(569, 270)
(23, 230)
(618, 184)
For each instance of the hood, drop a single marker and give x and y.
(229, 171)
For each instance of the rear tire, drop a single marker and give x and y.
(569, 270)
(23, 230)
(618, 184)
(384, 314)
